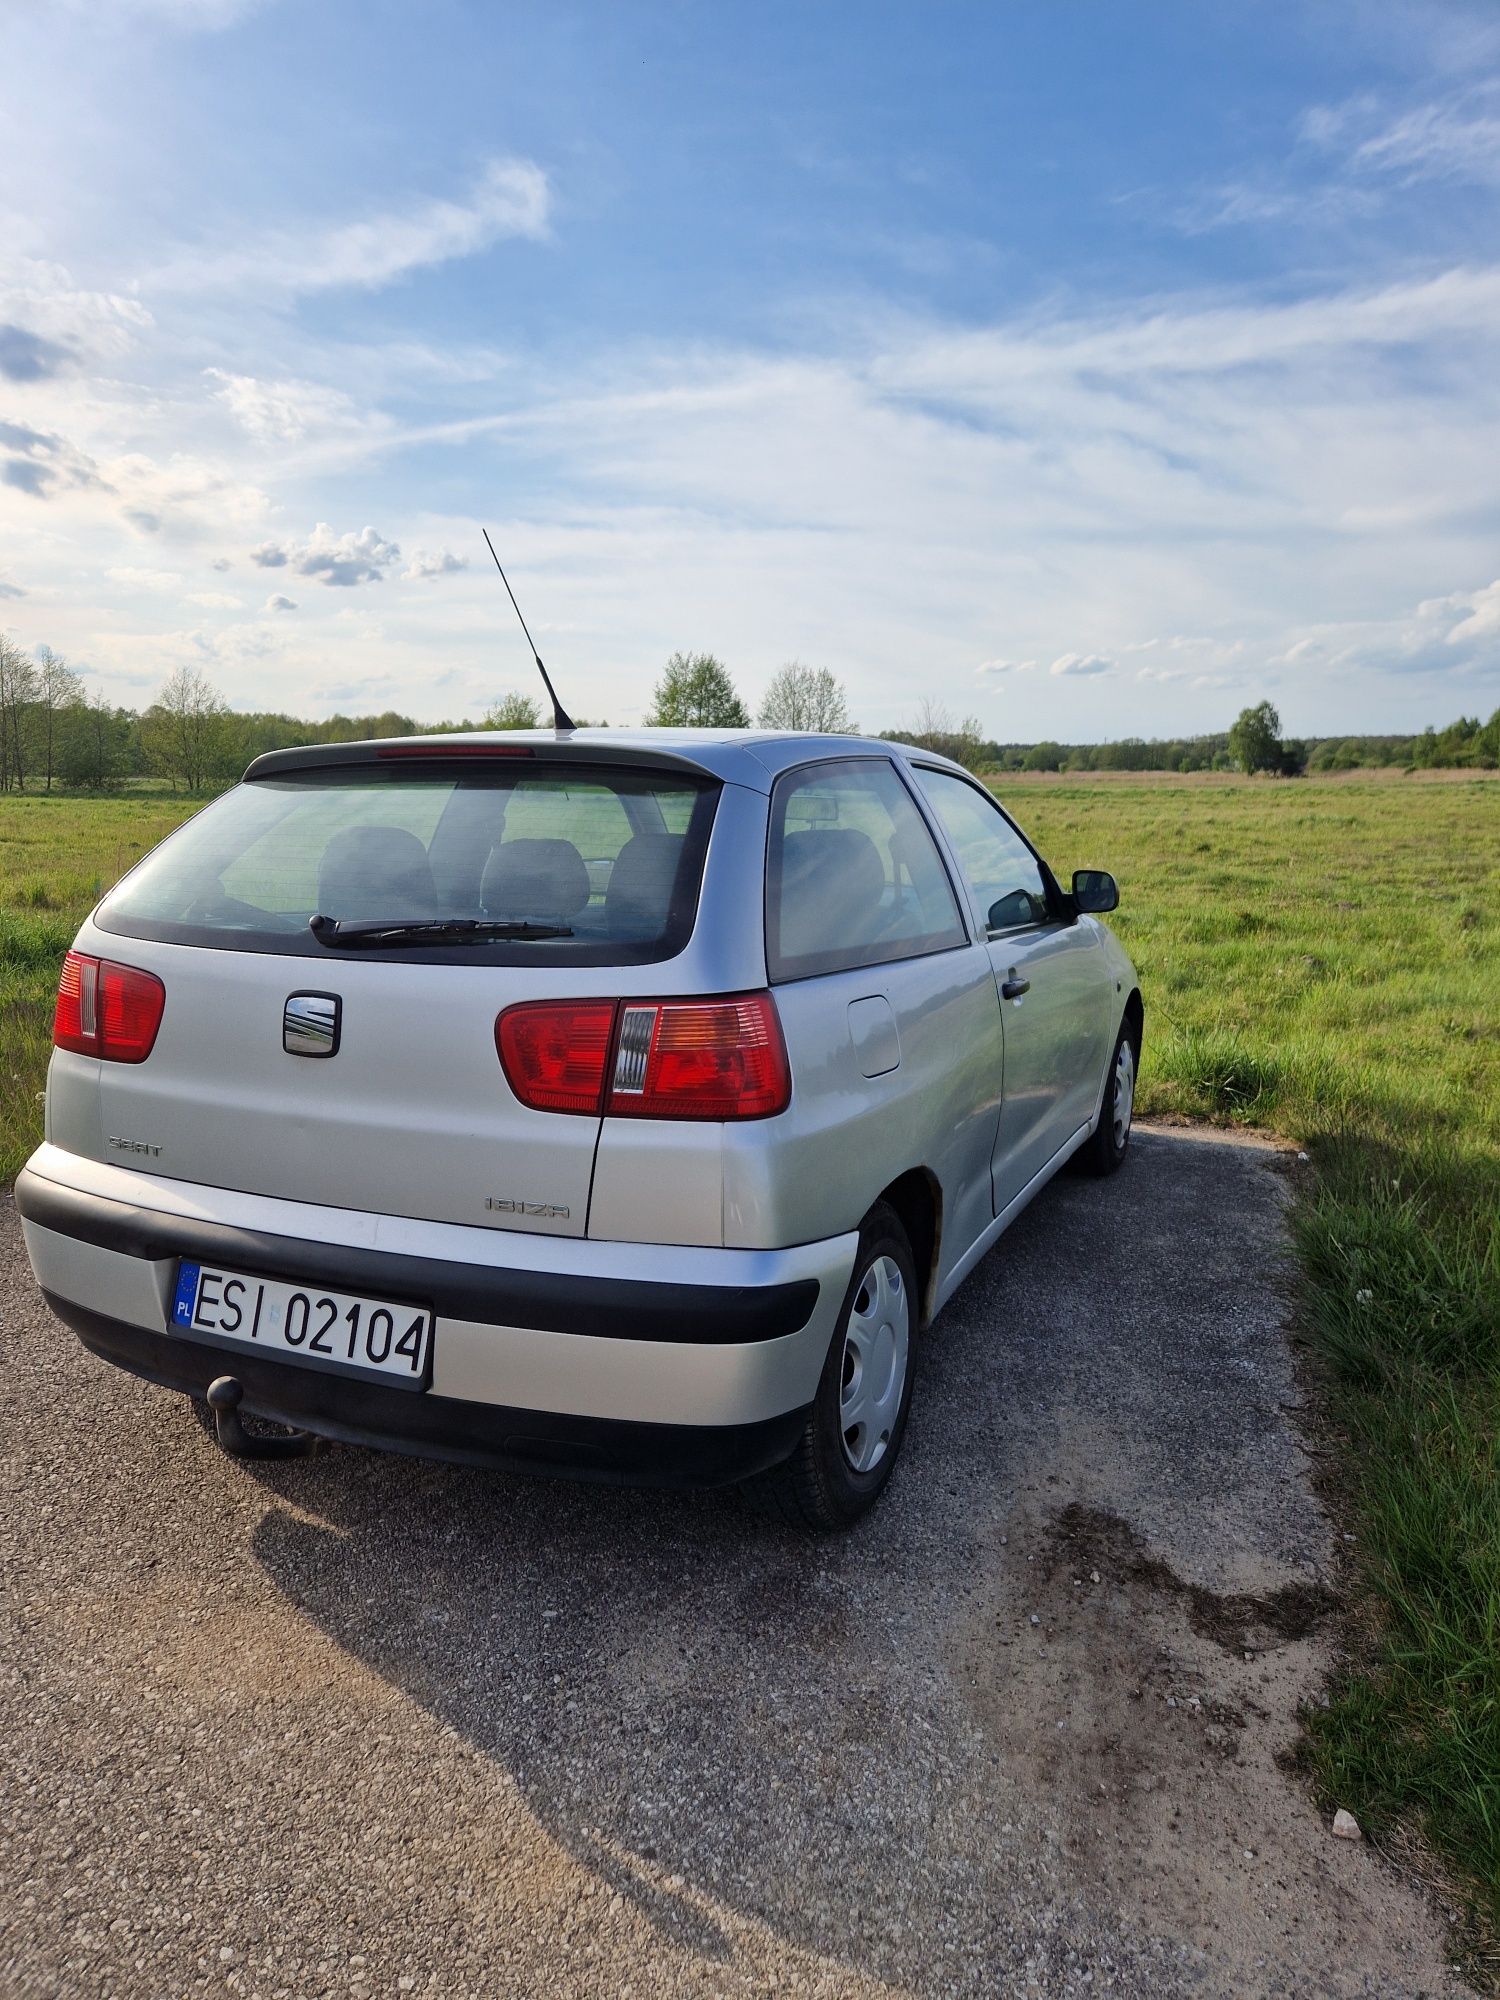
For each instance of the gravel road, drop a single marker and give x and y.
(360, 1725)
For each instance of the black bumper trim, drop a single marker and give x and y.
(549, 1301)
(601, 1449)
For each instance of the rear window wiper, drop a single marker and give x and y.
(339, 934)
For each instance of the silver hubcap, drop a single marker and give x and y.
(874, 1370)
(1124, 1093)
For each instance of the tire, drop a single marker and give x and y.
(1104, 1152)
(839, 1467)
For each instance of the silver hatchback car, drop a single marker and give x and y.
(620, 1104)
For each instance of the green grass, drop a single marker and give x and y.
(57, 857)
(1321, 959)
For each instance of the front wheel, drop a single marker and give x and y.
(853, 1437)
(1106, 1150)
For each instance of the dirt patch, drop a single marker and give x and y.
(1152, 1720)
(1238, 1621)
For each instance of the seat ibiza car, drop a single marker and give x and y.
(623, 1104)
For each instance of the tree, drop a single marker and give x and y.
(513, 711)
(185, 732)
(93, 744)
(936, 730)
(1255, 740)
(696, 692)
(17, 694)
(56, 687)
(808, 699)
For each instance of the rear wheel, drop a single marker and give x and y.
(1106, 1150)
(853, 1437)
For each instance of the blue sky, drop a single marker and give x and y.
(1092, 368)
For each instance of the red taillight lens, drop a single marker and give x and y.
(107, 1010)
(556, 1052)
(722, 1058)
(703, 1059)
(130, 1010)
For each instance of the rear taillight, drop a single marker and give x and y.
(720, 1058)
(700, 1059)
(556, 1052)
(107, 1010)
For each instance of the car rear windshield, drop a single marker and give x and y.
(586, 864)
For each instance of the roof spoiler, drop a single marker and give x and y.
(474, 750)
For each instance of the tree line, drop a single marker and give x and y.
(54, 733)
(1254, 743)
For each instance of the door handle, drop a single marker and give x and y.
(1014, 987)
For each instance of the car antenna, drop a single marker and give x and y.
(561, 720)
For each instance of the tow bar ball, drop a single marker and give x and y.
(225, 1393)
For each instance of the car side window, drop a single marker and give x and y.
(1001, 870)
(853, 876)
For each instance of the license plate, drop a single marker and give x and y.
(304, 1323)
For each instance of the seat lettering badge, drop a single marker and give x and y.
(310, 1024)
(550, 1208)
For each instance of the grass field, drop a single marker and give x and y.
(1320, 958)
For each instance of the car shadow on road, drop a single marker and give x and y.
(735, 1728)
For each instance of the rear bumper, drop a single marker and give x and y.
(430, 1426)
(623, 1361)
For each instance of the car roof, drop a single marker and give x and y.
(749, 757)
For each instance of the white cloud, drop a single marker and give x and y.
(341, 560)
(27, 356)
(41, 463)
(1352, 155)
(1068, 664)
(182, 493)
(280, 603)
(43, 304)
(281, 412)
(10, 589)
(1435, 141)
(1483, 620)
(511, 199)
(143, 579)
(443, 563)
(215, 600)
(992, 669)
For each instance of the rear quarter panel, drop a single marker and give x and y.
(814, 1171)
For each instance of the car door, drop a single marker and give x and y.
(1049, 970)
(888, 1006)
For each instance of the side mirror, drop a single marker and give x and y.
(1095, 893)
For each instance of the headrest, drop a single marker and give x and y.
(639, 893)
(831, 885)
(375, 871)
(534, 881)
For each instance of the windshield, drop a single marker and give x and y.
(574, 864)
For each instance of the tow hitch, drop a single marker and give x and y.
(224, 1396)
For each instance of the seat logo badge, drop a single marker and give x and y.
(310, 1024)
